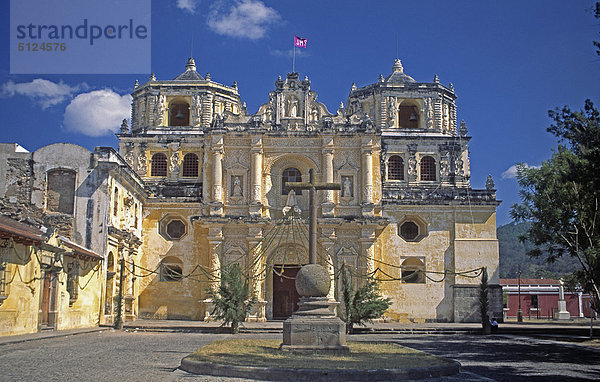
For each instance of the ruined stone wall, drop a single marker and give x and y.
(19, 180)
(16, 203)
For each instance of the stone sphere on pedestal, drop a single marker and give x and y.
(313, 280)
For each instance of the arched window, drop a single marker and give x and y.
(179, 114)
(171, 269)
(116, 202)
(159, 165)
(413, 271)
(60, 195)
(190, 165)
(395, 168)
(289, 175)
(408, 116)
(427, 168)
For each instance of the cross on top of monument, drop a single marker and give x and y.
(312, 186)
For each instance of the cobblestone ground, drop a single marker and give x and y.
(149, 356)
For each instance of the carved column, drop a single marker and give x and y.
(256, 271)
(207, 110)
(437, 114)
(412, 162)
(367, 249)
(256, 178)
(215, 245)
(327, 242)
(328, 205)
(217, 186)
(367, 171)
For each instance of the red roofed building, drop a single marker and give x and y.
(539, 299)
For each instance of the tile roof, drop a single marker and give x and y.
(19, 232)
(79, 250)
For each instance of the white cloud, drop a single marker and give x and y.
(188, 5)
(97, 113)
(44, 92)
(511, 172)
(245, 18)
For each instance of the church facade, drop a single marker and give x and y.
(215, 176)
(199, 183)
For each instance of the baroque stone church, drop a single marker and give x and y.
(216, 175)
(199, 182)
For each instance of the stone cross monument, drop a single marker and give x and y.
(314, 326)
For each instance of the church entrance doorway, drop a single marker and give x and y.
(285, 295)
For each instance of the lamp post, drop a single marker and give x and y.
(520, 312)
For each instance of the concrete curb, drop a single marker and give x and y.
(281, 374)
(45, 335)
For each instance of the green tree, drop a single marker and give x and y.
(561, 198)
(232, 297)
(363, 305)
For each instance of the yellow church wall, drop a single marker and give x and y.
(476, 244)
(171, 299)
(430, 300)
(19, 312)
(83, 312)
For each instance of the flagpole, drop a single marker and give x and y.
(294, 55)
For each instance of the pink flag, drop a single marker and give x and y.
(300, 42)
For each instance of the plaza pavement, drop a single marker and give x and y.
(571, 331)
(151, 351)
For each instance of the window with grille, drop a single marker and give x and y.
(190, 165)
(427, 168)
(289, 175)
(73, 281)
(395, 168)
(159, 165)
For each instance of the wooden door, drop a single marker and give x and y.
(285, 296)
(45, 306)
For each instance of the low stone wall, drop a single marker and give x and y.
(466, 303)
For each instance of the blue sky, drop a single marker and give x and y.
(509, 61)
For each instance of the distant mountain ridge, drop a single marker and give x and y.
(513, 256)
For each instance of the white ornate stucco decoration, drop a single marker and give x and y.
(174, 163)
(142, 163)
(160, 109)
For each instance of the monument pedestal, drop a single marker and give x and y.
(563, 313)
(314, 327)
